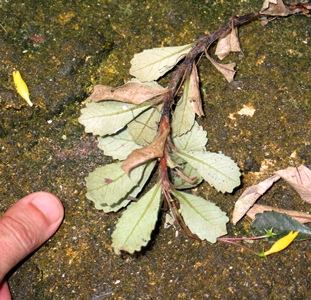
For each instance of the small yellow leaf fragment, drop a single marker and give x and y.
(282, 243)
(21, 87)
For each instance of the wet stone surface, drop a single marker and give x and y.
(62, 49)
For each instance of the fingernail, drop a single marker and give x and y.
(50, 206)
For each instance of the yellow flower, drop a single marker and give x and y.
(21, 87)
(280, 244)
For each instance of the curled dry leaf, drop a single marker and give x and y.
(250, 196)
(301, 217)
(275, 8)
(194, 94)
(227, 43)
(300, 179)
(142, 155)
(225, 69)
(131, 92)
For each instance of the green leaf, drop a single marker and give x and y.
(217, 169)
(203, 218)
(109, 117)
(107, 185)
(118, 145)
(144, 128)
(195, 139)
(183, 117)
(153, 63)
(133, 193)
(134, 228)
(281, 225)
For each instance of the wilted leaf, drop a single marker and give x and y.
(131, 92)
(144, 128)
(110, 116)
(142, 155)
(250, 196)
(118, 145)
(183, 116)
(300, 216)
(153, 63)
(203, 218)
(134, 228)
(227, 43)
(300, 179)
(180, 182)
(281, 225)
(217, 169)
(195, 139)
(109, 184)
(225, 69)
(275, 8)
(194, 96)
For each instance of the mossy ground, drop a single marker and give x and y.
(44, 147)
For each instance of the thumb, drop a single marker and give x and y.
(26, 226)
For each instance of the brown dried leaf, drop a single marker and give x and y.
(301, 217)
(275, 8)
(300, 179)
(225, 69)
(194, 94)
(142, 155)
(227, 43)
(131, 92)
(250, 196)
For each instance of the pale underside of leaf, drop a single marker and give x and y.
(203, 218)
(118, 145)
(131, 194)
(151, 64)
(142, 155)
(195, 139)
(250, 196)
(144, 128)
(134, 228)
(218, 170)
(109, 117)
(183, 116)
(131, 92)
(109, 184)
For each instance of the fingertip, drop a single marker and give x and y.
(26, 226)
(49, 205)
(4, 291)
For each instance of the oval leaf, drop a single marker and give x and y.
(109, 117)
(281, 224)
(217, 169)
(144, 128)
(183, 117)
(134, 228)
(107, 185)
(203, 218)
(153, 63)
(119, 145)
(195, 139)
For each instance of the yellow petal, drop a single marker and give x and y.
(21, 86)
(282, 243)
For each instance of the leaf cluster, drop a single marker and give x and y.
(145, 127)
